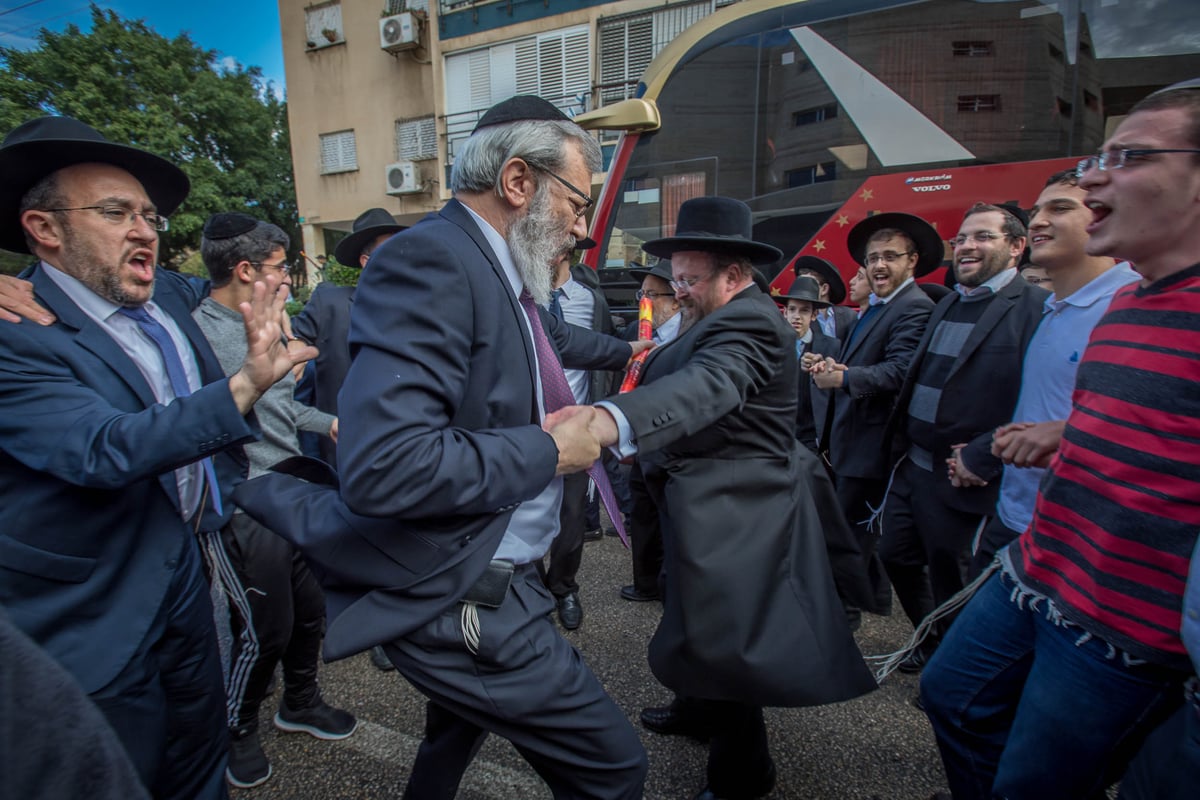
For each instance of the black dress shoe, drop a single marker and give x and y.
(570, 612)
(669, 721)
(631, 592)
(767, 785)
(592, 535)
(380, 659)
(915, 662)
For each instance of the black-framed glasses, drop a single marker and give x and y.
(1116, 159)
(123, 216)
(644, 293)
(887, 257)
(584, 197)
(978, 237)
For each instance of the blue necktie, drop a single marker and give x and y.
(556, 304)
(178, 378)
(858, 326)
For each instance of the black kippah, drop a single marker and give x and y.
(229, 224)
(520, 108)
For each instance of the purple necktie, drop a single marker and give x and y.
(556, 393)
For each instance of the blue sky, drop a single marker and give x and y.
(246, 31)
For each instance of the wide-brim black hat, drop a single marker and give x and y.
(715, 225)
(931, 250)
(37, 148)
(837, 286)
(372, 223)
(803, 288)
(660, 269)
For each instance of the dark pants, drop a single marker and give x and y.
(996, 536)
(166, 705)
(1168, 765)
(925, 545)
(1026, 706)
(566, 551)
(858, 498)
(525, 682)
(645, 535)
(277, 614)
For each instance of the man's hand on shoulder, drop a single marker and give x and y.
(17, 303)
(577, 445)
(267, 357)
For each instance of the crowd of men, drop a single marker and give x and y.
(793, 462)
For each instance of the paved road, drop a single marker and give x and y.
(877, 747)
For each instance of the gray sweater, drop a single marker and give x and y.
(278, 412)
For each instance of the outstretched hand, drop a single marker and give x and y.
(268, 358)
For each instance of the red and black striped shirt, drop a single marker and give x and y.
(1118, 512)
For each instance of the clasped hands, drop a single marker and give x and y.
(579, 433)
(1028, 444)
(826, 373)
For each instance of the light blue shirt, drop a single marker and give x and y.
(535, 522)
(1191, 611)
(1048, 378)
(189, 479)
(577, 306)
(827, 322)
(668, 330)
(992, 285)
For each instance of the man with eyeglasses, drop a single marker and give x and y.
(862, 381)
(119, 436)
(961, 385)
(277, 609)
(1054, 671)
(451, 467)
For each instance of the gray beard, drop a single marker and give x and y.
(537, 244)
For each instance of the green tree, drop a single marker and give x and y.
(224, 127)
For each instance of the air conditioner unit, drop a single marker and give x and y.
(403, 177)
(398, 32)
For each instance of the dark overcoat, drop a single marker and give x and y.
(750, 612)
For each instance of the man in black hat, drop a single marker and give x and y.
(863, 381)
(325, 320)
(750, 618)
(963, 383)
(834, 319)
(119, 435)
(801, 304)
(451, 470)
(277, 610)
(645, 525)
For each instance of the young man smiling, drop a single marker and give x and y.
(1079, 631)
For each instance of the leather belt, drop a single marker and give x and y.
(492, 586)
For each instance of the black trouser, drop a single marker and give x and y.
(996, 536)
(925, 544)
(566, 551)
(525, 682)
(858, 497)
(277, 613)
(645, 535)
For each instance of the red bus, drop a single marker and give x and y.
(820, 112)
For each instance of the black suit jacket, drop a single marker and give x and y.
(813, 404)
(325, 323)
(980, 392)
(750, 613)
(439, 434)
(878, 357)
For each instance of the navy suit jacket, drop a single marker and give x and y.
(440, 436)
(90, 529)
(878, 357)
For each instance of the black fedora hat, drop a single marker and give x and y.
(837, 286)
(37, 148)
(372, 223)
(931, 250)
(805, 287)
(660, 269)
(714, 225)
